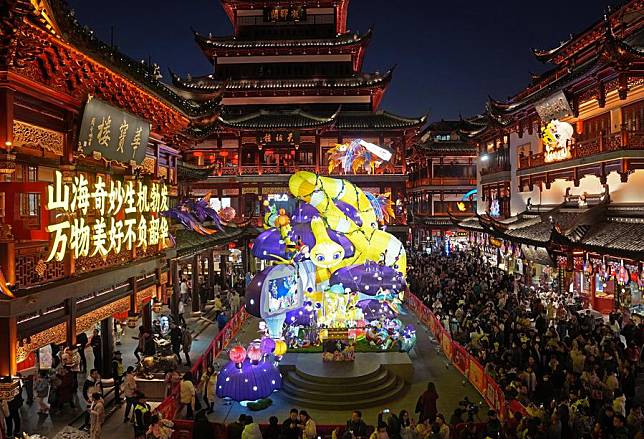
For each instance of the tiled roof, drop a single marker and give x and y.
(209, 83)
(188, 241)
(627, 236)
(231, 42)
(367, 120)
(288, 119)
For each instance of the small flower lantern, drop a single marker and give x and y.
(237, 355)
(267, 345)
(254, 353)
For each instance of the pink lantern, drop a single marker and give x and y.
(254, 353)
(237, 354)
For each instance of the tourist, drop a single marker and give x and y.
(217, 305)
(236, 429)
(309, 429)
(392, 422)
(620, 431)
(183, 291)
(290, 427)
(442, 426)
(222, 319)
(160, 428)
(14, 420)
(129, 391)
(81, 340)
(380, 432)
(493, 425)
(142, 416)
(187, 395)
(251, 429)
(42, 390)
(91, 385)
(117, 375)
(426, 405)
(4, 414)
(207, 388)
(186, 343)
(407, 425)
(356, 427)
(273, 431)
(97, 346)
(171, 379)
(201, 427)
(176, 335)
(97, 416)
(234, 303)
(140, 345)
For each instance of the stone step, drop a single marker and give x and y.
(345, 401)
(340, 392)
(347, 383)
(341, 377)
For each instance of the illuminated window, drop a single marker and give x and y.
(32, 173)
(30, 204)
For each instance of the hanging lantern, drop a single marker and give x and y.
(132, 321)
(254, 353)
(237, 354)
(622, 275)
(280, 348)
(267, 345)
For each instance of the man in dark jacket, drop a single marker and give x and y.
(356, 427)
(236, 428)
(176, 335)
(142, 416)
(290, 428)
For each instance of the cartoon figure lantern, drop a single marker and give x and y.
(330, 255)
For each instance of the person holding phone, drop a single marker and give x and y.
(356, 427)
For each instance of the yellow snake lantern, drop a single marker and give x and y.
(361, 228)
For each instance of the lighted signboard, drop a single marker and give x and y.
(115, 134)
(555, 106)
(284, 14)
(279, 138)
(123, 216)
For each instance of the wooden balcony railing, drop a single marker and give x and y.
(442, 181)
(290, 169)
(623, 140)
(495, 168)
(31, 268)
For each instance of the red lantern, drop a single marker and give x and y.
(237, 354)
(224, 153)
(254, 353)
(232, 245)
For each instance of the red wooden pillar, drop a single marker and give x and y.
(8, 344)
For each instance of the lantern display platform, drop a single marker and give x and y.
(370, 380)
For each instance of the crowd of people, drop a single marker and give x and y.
(573, 372)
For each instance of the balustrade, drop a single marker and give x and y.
(624, 139)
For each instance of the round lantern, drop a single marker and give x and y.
(254, 353)
(267, 345)
(280, 348)
(237, 354)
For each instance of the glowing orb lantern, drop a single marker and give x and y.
(267, 345)
(237, 354)
(254, 353)
(280, 348)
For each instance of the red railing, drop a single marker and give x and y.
(622, 140)
(169, 406)
(462, 360)
(442, 181)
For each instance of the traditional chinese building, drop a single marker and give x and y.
(292, 87)
(442, 180)
(89, 145)
(562, 167)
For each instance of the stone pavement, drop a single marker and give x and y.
(203, 332)
(429, 365)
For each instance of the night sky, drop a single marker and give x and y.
(449, 54)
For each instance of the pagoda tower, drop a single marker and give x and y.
(291, 85)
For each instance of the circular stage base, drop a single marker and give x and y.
(370, 380)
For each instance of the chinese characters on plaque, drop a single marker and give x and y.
(278, 14)
(123, 215)
(116, 134)
(279, 138)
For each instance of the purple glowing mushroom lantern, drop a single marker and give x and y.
(249, 382)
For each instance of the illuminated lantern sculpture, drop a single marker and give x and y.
(254, 353)
(237, 355)
(267, 345)
(280, 348)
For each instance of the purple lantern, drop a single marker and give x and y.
(267, 345)
(250, 382)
